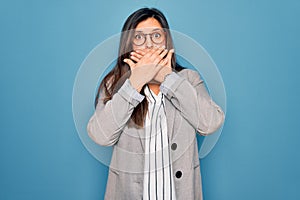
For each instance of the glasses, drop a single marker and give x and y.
(157, 37)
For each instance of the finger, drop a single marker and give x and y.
(158, 51)
(129, 62)
(137, 55)
(159, 58)
(141, 52)
(150, 52)
(158, 55)
(163, 62)
(153, 51)
(134, 58)
(163, 53)
(170, 54)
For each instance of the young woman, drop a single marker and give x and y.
(149, 108)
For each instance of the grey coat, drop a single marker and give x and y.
(189, 109)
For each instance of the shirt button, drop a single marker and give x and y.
(174, 146)
(178, 174)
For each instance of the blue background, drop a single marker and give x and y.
(255, 44)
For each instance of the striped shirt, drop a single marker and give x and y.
(158, 179)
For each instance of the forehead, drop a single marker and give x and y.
(148, 25)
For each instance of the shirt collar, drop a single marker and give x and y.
(151, 96)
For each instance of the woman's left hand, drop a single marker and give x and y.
(166, 63)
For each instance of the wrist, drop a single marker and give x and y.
(165, 74)
(136, 85)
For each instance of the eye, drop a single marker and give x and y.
(156, 35)
(138, 36)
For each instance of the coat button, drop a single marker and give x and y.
(174, 146)
(178, 174)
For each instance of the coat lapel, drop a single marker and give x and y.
(170, 115)
(141, 133)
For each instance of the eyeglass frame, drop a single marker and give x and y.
(150, 34)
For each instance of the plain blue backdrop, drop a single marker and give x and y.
(255, 44)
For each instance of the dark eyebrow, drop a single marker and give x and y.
(156, 29)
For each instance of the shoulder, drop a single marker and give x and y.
(191, 75)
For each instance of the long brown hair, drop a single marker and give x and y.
(116, 77)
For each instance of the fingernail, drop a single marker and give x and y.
(172, 50)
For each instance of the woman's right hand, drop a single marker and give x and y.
(146, 68)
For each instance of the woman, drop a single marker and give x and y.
(149, 108)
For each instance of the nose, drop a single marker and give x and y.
(148, 42)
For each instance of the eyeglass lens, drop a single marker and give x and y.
(157, 37)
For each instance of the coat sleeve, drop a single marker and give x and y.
(188, 94)
(108, 120)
